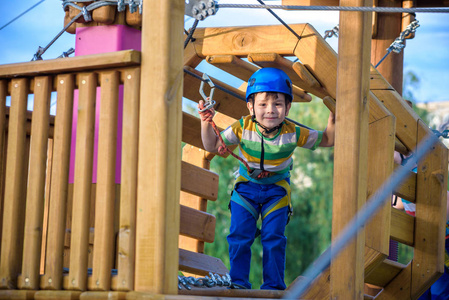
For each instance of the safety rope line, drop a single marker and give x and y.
(280, 20)
(399, 43)
(373, 204)
(22, 14)
(190, 34)
(342, 8)
(40, 50)
(332, 32)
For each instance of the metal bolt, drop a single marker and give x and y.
(16, 85)
(83, 82)
(38, 84)
(202, 5)
(61, 81)
(123, 282)
(27, 280)
(98, 282)
(129, 77)
(73, 281)
(49, 280)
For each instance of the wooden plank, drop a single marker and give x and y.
(385, 273)
(197, 224)
(191, 58)
(407, 189)
(72, 64)
(36, 185)
(319, 58)
(199, 181)
(297, 72)
(200, 264)
(195, 156)
(351, 148)
(240, 41)
(380, 167)
(402, 227)
(15, 187)
(159, 170)
(320, 287)
(372, 259)
(226, 103)
(225, 293)
(431, 201)
(103, 255)
(49, 163)
(52, 279)
(106, 295)
(128, 190)
(17, 294)
(83, 182)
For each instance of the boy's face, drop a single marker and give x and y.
(269, 108)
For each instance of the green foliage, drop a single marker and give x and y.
(309, 230)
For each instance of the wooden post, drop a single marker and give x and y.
(159, 167)
(103, 255)
(3, 93)
(388, 29)
(79, 241)
(350, 184)
(128, 190)
(15, 187)
(52, 278)
(32, 243)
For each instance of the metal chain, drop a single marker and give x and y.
(332, 32)
(210, 281)
(342, 8)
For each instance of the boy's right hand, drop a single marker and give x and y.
(206, 115)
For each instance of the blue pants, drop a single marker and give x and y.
(243, 230)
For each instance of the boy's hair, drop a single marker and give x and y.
(288, 99)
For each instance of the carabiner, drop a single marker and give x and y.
(209, 103)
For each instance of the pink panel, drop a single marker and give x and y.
(94, 40)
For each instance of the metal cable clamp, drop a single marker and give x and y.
(201, 9)
(209, 103)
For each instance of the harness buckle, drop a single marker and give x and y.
(255, 173)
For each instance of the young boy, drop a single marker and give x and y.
(266, 143)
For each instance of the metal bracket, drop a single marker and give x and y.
(209, 103)
(200, 9)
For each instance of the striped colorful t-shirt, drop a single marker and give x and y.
(278, 150)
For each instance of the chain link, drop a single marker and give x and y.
(331, 33)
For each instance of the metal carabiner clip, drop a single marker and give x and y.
(209, 103)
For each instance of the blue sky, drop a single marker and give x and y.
(427, 55)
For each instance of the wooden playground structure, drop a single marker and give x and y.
(154, 223)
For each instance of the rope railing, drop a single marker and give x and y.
(374, 203)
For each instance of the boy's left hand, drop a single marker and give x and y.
(206, 115)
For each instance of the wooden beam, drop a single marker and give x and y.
(399, 287)
(351, 146)
(431, 201)
(72, 64)
(407, 189)
(159, 170)
(240, 41)
(197, 224)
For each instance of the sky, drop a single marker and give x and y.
(427, 55)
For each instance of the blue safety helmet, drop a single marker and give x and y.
(269, 80)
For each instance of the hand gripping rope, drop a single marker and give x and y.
(207, 114)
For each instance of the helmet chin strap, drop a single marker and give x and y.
(265, 129)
